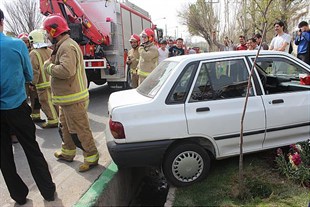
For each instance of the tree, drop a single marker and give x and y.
(200, 20)
(22, 16)
(277, 10)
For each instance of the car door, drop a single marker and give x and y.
(287, 102)
(215, 105)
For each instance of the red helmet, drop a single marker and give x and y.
(55, 25)
(149, 33)
(135, 37)
(23, 36)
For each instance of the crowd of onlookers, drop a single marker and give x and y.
(281, 42)
(145, 56)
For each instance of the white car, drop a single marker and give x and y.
(188, 111)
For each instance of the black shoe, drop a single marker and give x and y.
(21, 201)
(50, 198)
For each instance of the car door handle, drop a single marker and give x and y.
(202, 109)
(277, 101)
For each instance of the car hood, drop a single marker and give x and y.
(126, 98)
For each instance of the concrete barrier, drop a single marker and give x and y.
(114, 187)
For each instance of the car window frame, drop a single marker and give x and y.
(245, 60)
(288, 58)
(168, 100)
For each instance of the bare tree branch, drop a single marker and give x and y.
(22, 16)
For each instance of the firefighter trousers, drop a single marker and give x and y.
(134, 79)
(51, 111)
(20, 122)
(76, 132)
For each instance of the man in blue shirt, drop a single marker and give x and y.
(302, 40)
(15, 70)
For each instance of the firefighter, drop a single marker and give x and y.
(25, 37)
(70, 93)
(38, 55)
(31, 92)
(133, 59)
(148, 54)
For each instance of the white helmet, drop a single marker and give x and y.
(38, 39)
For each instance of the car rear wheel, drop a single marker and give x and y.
(186, 164)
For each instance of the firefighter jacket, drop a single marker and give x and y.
(68, 76)
(148, 58)
(133, 58)
(40, 78)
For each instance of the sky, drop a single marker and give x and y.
(164, 14)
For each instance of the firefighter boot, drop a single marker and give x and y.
(61, 156)
(87, 166)
(36, 118)
(50, 124)
(89, 162)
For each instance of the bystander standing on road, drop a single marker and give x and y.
(281, 42)
(177, 49)
(15, 114)
(133, 59)
(303, 41)
(70, 93)
(163, 51)
(148, 54)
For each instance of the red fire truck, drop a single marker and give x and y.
(102, 28)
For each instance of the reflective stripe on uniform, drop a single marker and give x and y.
(50, 104)
(68, 152)
(43, 85)
(55, 121)
(35, 115)
(92, 158)
(142, 73)
(49, 69)
(80, 76)
(133, 70)
(70, 98)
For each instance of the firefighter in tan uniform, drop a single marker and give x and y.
(148, 54)
(69, 88)
(133, 59)
(32, 93)
(41, 80)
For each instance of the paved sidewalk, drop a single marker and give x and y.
(70, 184)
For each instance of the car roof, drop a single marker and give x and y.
(223, 54)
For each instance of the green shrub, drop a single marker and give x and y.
(295, 165)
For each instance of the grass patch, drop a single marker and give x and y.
(264, 186)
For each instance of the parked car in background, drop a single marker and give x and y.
(188, 111)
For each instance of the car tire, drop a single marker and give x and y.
(186, 164)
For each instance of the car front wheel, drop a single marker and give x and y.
(186, 164)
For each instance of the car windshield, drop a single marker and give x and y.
(151, 85)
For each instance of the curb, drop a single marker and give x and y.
(92, 195)
(170, 197)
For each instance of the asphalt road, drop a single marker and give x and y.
(70, 183)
